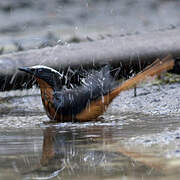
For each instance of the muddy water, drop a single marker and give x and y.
(132, 141)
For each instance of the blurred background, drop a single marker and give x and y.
(36, 24)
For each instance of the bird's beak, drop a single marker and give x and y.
(26, 69)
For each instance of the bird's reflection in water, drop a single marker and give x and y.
(83, 152)
(74, 149)
(73, 152)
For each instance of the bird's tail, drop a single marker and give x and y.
(155, 68)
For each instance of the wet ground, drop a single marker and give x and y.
(137, 138)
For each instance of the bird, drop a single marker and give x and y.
(91, 99)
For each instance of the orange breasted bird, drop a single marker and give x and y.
(91, 99)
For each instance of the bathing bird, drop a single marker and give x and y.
(91, 99)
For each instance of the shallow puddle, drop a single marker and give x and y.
(91, 151)
(132, 141)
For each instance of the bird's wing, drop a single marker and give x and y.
(73, 101)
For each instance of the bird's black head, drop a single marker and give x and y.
(47, 74)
